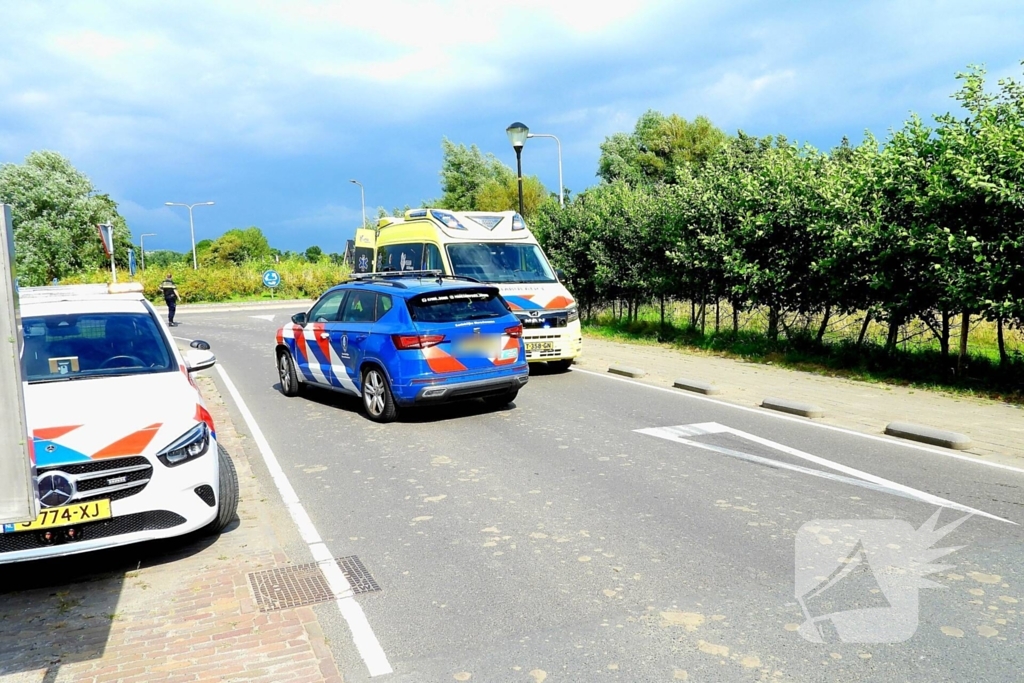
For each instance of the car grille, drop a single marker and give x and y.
(111, 479)
(116, 526)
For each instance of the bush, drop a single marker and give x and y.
(299, 280)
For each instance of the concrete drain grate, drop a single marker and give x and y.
(304, 584)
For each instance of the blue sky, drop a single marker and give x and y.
(270, 108)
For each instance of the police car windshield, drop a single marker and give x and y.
(87, 345)
(500, 262)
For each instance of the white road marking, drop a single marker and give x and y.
(856, 477)
(778, 416)
(268, 318)
(362, 634)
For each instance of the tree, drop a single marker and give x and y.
(55, 212)
(657, 148)
(472, 181)
(238, 246)
(313, 254)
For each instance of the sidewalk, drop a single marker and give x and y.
(172, 611)
(997, 429)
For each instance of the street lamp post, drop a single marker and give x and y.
(517, 134)
(561, 191)
(362, 200)
(142, 246)
(191, 227)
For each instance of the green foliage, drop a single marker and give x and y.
(299, 280)
(313, 254)
(237, 246)
(658, 147)
(927, 225)
(472, 181)
(55, 213)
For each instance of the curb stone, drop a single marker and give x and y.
(626, 371)
(929, 435)
(793, 407)
(696, 386)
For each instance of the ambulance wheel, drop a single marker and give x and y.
(286, 372)
(560, 365)
(377, 399)
(227, 493)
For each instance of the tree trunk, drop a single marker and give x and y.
(824, 323)
(894, 333)
(864, 328)
(703, 315)
(718, 313)
(735, 318)
(965, 329)
(693, 313)
(944, 338)
(1003, 358)
(773, 323)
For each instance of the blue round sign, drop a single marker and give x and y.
(271, 278)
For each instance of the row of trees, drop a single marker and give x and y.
(927, 225)
(56, 210)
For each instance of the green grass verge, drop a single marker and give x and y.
(922, 368)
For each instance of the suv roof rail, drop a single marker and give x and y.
(387, 275)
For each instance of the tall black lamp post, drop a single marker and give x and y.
(517, 134)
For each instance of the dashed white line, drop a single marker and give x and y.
(362, 634)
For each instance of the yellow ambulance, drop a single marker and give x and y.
(494, 247)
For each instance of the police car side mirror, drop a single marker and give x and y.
(200, 344)
(299, 318)
(560, 274)
(199, 360)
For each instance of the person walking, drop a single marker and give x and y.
(170, 297)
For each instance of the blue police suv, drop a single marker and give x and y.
(403, 339)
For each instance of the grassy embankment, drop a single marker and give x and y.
(917, 360)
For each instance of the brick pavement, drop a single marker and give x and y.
(181, 611)
(997, 429)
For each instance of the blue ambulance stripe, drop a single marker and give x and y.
(524, 304)
(59, 455)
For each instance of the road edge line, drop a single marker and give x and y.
(363, 636)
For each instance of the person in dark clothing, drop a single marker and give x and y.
(170, 297)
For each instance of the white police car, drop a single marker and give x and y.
(124, 448)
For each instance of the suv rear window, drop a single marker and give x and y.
(457, 305)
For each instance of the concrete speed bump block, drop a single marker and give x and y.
(625, 371)
(696, 386)
(793, 407)
(929, 435)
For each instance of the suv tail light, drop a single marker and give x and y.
(416, 341)
(515, 331)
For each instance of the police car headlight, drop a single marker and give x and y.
(192, 444)
(574, 313)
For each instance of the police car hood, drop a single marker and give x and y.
(91, 419)
(536, 296)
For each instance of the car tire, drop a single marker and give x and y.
(287, 374)
(560, 365)
(377, 399)
(501, 400)
(227, 493)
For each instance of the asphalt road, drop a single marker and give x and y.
(554, 541)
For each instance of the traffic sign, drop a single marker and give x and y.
(271, 278)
